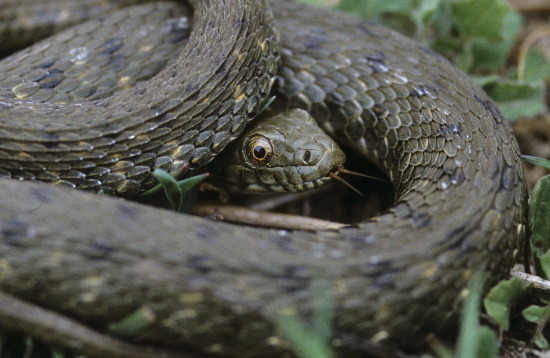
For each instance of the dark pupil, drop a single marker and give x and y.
(259, 152)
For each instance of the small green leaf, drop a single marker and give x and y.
(187, 184)
(541, 342)
(535, 313)
(487, 55)
(536, 66)
(356, 7)
(394, 14)
(179, 195)
(171, 188)
(442, 351)
(266, 103)
(465, 59)
(133, 324)
(501, 298)
(442, 21)
(488, 343)
(537, 161)
(425, 11)
(539, 225)
(474, 340)
(491, 55)
(304, 343)
(485, 80)
(423, 15)
(310, 340)
(480, 18)
(468, 342)
(516, 99)
(29, 344)
(314, 2)
(190, 190)
(323, 308)
(545, 261)
(56, 353)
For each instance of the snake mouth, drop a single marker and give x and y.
(326, 169)
(308, 185)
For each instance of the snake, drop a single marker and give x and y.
(214, 288)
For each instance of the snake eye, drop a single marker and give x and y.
(259, 150)
(306, 156)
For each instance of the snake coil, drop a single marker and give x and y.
(214, 287)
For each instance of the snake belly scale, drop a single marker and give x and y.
(214, 287)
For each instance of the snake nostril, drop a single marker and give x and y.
(306, 156)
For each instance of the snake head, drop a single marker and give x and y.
(287, 152)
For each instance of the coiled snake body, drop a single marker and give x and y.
(214, 287)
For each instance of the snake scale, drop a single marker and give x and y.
(214, 287)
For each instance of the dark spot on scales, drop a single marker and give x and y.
(218, 61)
(221, 70)
(127, 211)
(414, 93)
(315, 39)
(48, 74)
(238, 22)
(489, 107)
(361, 242)
(117, 61)
(51, 145)
(479, 100)
(51, 80)
(379, 57)
(497, 170)
(384, 280)
(423, 90)
(100, 249)
(295, 278)
(5, 105)
(111, 46)
(449, 130)
(205, 232)
(455, 239)
(200, 263)
(380, 111)
(46, 64)
(429, 52)
(494, 111)
(111, 135)
(383, 265)
(430, 90)
(384, 273)
(376, 62)
(365, 25)
(13, 231)
(420, 220)
(282, 242)
(179, 29)
(41, 194)
(458, 177)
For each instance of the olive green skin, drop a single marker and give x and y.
(214, 287)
